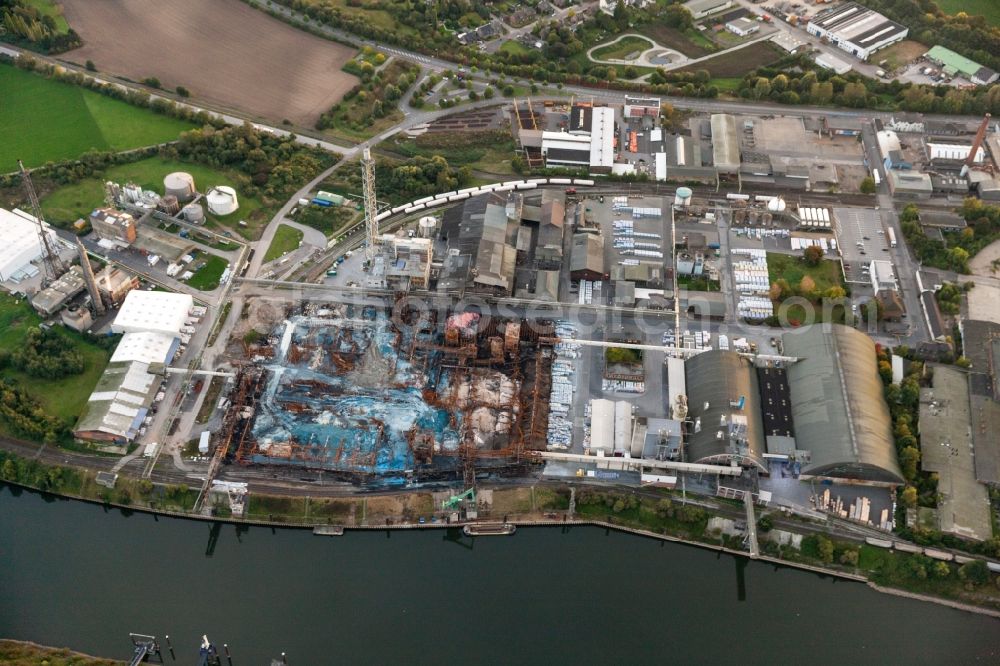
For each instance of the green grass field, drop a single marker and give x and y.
(64, 397)
(624, 47)
(793, 269)
(207, 277)
(65, 205)
(43, 121)
(726, 85)
(514, 47)
(988, 8)
(285, 240)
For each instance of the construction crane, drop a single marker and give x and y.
(50, 260)
(970, 161)
(145, 649)
(453, 501)
(371, 206)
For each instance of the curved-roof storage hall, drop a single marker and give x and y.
(724, 405)
(838, 406)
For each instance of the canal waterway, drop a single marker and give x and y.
(77, 575)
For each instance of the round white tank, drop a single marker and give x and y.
(194, 213)
(222, 200)
(179, 184)
(683, 196)
(776, 205)
(427, 225)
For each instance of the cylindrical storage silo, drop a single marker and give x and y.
(194, 213)
(133, 193)
(179, 184)
(169, 205)
(222, 200)
(683, 196)
(427, 225)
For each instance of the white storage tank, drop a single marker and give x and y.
(194, 213)
(180, 184)
(683, 196)
(776, 205)
(222, 200)
(427, 225)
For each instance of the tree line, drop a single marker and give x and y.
(125, 94)
(275, 166)
(23, 24)
(796, 79)
(26, 417)
(904, 407)
(88, 165)
(403, 181)
(44, 354)
(375, 97)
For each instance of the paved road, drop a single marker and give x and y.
(903, 261)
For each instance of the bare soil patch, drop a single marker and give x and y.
(983, 262)
(737, 62)
(901, 54)
(223, 51)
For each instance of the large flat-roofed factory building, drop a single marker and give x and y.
(858, 30)
(156, 311)
(21, 245)
(153, 323)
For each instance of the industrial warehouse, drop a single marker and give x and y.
(856, 29)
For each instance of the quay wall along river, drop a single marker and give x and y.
(78, 575)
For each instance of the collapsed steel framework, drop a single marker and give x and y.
(520, 351)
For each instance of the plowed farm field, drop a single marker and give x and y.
(224, 52)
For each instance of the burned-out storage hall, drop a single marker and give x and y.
(386, 397)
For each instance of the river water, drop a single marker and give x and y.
(75, 575)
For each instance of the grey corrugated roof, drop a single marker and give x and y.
(721, 379)
(588, 253)
(480, 229)
(985, 443)
(838, 406)
(725, 142)
(119, 402)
